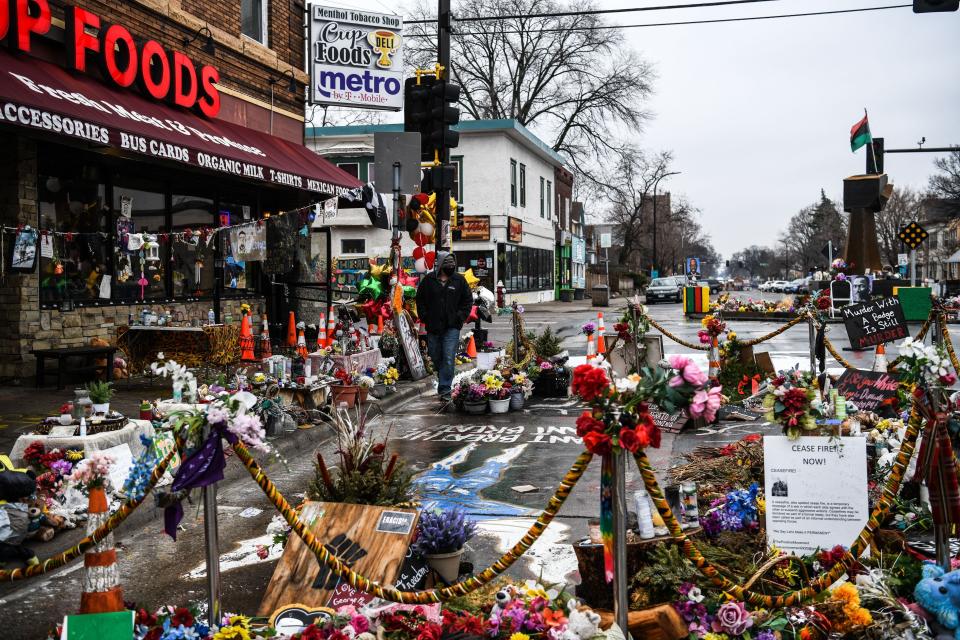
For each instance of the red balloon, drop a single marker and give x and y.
(473, 314)
(417, 253)
(430, 257)
(422, 239)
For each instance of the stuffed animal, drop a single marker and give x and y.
(503, 598)
(43, 526)
(16, 488)
(939, 594)
(581, 624)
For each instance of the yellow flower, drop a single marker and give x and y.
(74, 455)
(232, 633)
(519, 636)
(716, 636)
(240, 621)
(846, 593)
(731, 335)
(859, 617)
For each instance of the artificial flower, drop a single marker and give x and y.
(598, 443)
(589, 382)
(586, 423)
(733, 618)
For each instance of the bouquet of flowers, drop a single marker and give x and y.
(792, 402)
(588, 328)
(926, 365)
(839, 268)
(619, 417)
(92, 473)
(713, 328)
(740, 509)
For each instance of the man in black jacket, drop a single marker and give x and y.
(443, 304)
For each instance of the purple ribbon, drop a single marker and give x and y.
(203, 468)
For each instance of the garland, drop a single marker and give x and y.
(823, 581)
(775, 333)
(74, 552)
(678, 340)
(415, 597)
(949, 344)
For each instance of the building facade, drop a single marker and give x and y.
(507, 185)
(133, 131)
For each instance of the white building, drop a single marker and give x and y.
(505, 183)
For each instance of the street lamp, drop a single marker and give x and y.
(655, 183)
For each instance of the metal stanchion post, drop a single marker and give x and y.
(620, 606)
(212, 547)
(813, 346)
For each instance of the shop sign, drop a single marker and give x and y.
(123, 59)
(475, 228)
(579, 253)
(356, 58)
(514, 229)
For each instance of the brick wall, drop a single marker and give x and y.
(245, 65)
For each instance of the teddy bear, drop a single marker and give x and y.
(581, 624)
(939, 594)
(16, 491)
(43, 525)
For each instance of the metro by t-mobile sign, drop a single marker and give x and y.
(123, 60)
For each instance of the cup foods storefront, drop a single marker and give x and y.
(117, 174)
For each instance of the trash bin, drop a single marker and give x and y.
(566, 295)
(578, 294)
(601, 296)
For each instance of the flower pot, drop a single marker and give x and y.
(66, 418)
(499, 406)
(475, 407)
(488, 359)
(391, 388)
(346, 393)
(379, 390)
(517, 401)
(446, 564)
(102, 407)
(362, 394)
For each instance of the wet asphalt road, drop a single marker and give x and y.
(479, 463)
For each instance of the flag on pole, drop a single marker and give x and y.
(860, 133)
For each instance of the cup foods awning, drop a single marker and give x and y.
(41, 96)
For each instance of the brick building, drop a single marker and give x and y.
(131, 131)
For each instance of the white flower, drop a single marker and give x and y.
(628, 384)
(277, 526)
(695, 595)
(160, 355)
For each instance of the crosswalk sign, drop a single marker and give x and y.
(913, 235)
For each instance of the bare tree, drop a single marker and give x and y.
(946, 184)
(809, 231)
(563, 75)
(902, 208)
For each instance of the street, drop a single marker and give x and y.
(501, 469)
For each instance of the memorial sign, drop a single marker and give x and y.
(868, 389)
(872, 323)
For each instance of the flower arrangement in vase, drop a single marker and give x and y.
(792, 402)
(441, 536)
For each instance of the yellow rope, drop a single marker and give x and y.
(419, 597)
(948, 343)
(774, 334)
(678, 340)
(833, 351)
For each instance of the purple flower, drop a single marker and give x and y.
(733, 618)
(766, 634)
(61, 467)
(588, 328)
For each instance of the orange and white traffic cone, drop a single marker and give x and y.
(472, 347)
(322, 331)
(266, 349)
(880, 360)
(331, 329)
(591, 348)
(101, 592)
(601, 341)
(301, 341)
(292, 330)
(714, 370)
(380, 325)
(246, 340)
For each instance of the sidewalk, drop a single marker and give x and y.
(577, 306)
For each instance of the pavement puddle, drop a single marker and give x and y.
(550, 559)
(244, 555)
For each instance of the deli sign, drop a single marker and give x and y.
(123, 60)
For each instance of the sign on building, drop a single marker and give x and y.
(356, 58)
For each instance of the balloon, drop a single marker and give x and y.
(421, 239)
(472, 280)
(409, 293)
(418, 253)
(430, 258)
(473, 314)
(426, 229)
(411, 224)
(420, 264)
(370, 309)
(380, 270)
(369, 286)
(407, 279)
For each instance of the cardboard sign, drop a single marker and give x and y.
(873, 323)
(345, 595)
(410, 342)
(348, 531)
(397, 522)
(867, 389)
(816, 491)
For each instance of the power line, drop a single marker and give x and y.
(673, 24)
(595, 12)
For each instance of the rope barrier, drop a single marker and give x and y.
(948, 343)
(836, 355)
(415, 597)
(74, 552)
(823, 581)
(773, 334)
(678, 340)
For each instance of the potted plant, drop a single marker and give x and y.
(520, 389)
(499, 399)
(487, 356)
(364, 384)
(441, 536)
(100, 394)
(66, 413)
(345, 391)
(475, 399)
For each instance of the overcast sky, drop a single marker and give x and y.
(758, 113)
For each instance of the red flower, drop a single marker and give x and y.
(146, 618)
(598, 443)
(311, 632)
(430, 631)
(653, 434)
(753, 437)
(50, 457)
(589, 381)
(633, 439)
(154, 634)
(337, 635)
(34, 451)
(586, 423)
(182, 616)
(795, 399)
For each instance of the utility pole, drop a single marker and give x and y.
(443, 193)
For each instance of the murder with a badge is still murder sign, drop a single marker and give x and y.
(816, 492)
(869, 390)
(873, 323)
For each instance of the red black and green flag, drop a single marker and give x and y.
(860, 133)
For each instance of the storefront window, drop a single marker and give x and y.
(74, 253)
(525, 268)
(141, 257)
(192, 265)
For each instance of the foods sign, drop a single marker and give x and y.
(356, 58)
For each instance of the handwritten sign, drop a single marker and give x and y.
(345, 595)
(873, 323)
(867, 389)
(411, 345)
(669, 422)
(413, 573)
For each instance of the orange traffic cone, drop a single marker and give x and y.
(292, 331)
(331, 329)
(601, 341)
(372, 329)
(266, 349)
(380, 325)
(301, 342)
(472, 348)
(322, 331)
(880, 360)
(591, 348)
(246, 340)
(101, 581)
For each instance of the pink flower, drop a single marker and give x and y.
(733, 618)
(688, 372)
(360, 624)
(948, 379)
(262, 552)
(705, 403)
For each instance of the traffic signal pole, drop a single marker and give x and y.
(443, 193)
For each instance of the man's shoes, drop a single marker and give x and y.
(446, 398)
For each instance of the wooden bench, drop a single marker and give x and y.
(89, 355)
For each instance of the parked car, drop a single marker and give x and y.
(668, 289)
(800, 285)
(767, 285)
(777, 286)
(716, 285)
